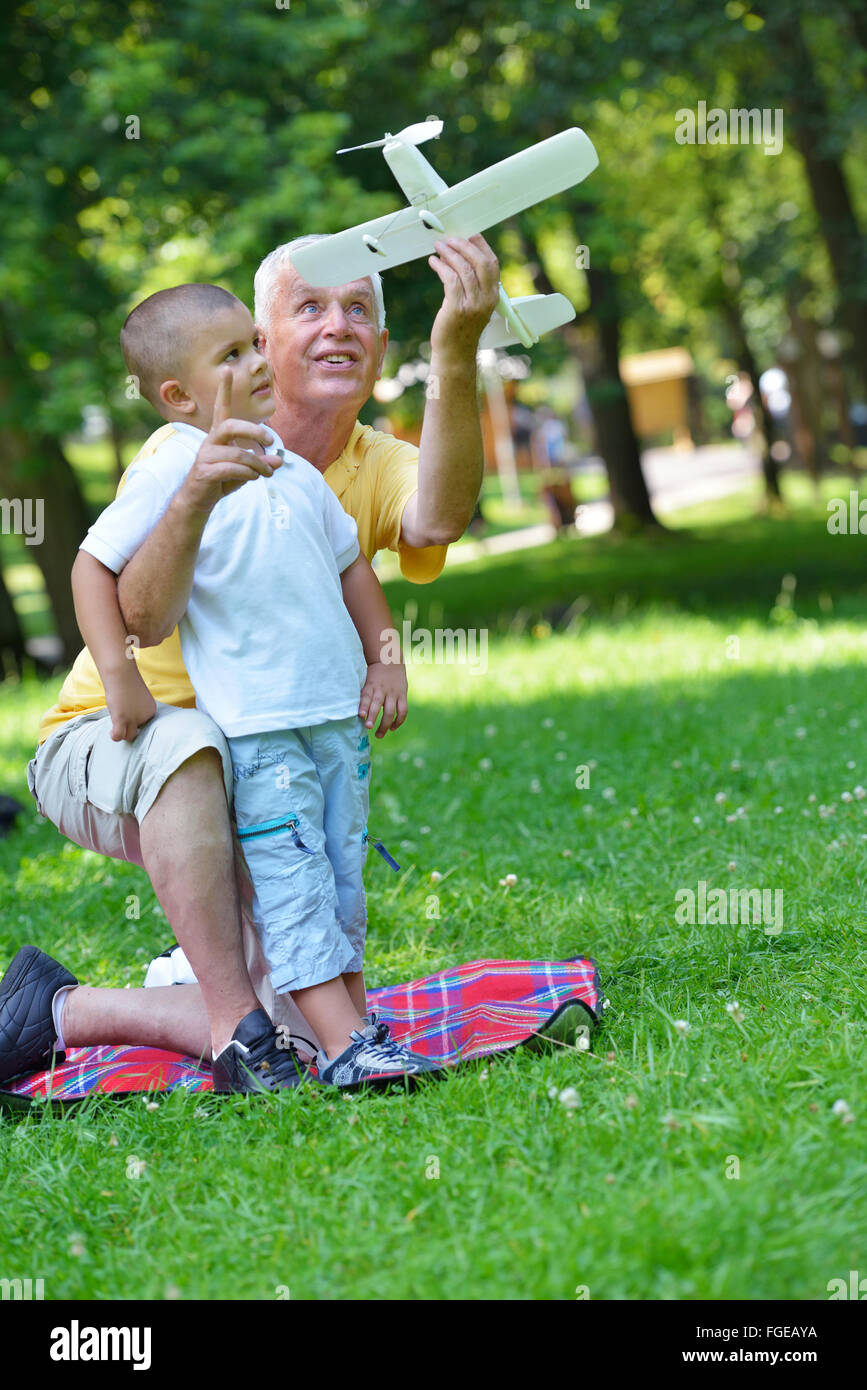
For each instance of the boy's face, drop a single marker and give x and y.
(225, 339)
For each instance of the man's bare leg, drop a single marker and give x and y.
(188, 852)
(171, 1016)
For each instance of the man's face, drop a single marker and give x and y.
(323, 344)
(228, 339)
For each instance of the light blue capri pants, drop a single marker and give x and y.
(301, 800)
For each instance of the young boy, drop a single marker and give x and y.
(266, 612)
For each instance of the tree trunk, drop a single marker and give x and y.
(11, 638)
(36, 477)
(606, 396)
(812, 126)
(747, 363)
(610, 406)
(36, 472)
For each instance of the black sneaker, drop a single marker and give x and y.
(373, 1058)
(27, 991)
(259, 1058)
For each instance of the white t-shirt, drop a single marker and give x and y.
(267, 639)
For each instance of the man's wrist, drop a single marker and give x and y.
(455, 362)
(190, 512)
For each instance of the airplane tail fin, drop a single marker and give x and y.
(539, 312)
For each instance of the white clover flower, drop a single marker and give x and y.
(677, 763)
(735, 766)
(720, 798)
(509, 881)
(778, 810)
(570, 1098)
(696, 820)
(860, 793)
(800, 733)
(846, 796)
(682, 1027)
(840, 1107)
(735, 1010)
(490, 730)
(731, 866)
(485, 764)
(812, 796)
(553, 1093)
(436, 876)
(547, 723)
(609, 793)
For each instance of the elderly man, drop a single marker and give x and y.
(158, 794)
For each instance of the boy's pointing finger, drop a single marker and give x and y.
(223, 399)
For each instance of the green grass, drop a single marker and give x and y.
(633, 1193)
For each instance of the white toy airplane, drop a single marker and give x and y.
(469, 207)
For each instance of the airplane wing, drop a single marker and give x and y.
(540, 312)
(469, 207)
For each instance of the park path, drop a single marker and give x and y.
(675, 478)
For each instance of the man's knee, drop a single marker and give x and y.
(200, 779)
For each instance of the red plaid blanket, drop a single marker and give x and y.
(470, 1011)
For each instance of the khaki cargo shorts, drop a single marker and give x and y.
(98, 791)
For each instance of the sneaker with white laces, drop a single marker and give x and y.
(373, 1058)
(258, 1058)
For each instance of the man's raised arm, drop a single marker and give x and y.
(451, 461)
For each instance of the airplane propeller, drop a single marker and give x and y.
(410, 135)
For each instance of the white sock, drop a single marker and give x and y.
(57, 1006)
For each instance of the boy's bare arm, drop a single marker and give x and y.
(385, 686)
(97, 611)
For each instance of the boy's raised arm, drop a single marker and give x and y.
(97, 612)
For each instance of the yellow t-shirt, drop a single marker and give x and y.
(373, 478)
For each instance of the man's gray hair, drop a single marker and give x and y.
(268, 276)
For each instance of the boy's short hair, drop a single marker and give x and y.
(157, 335)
